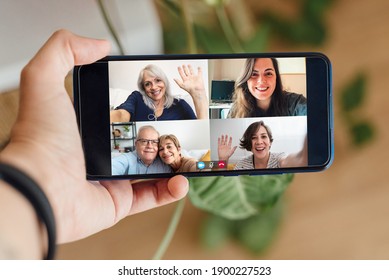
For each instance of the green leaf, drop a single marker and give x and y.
(315, 9)
(175, 42)
(362, 132)
(310, 31)
(171, 6)
(354, 93)
(211, 41)
(258, 42)
(237, 197)
(257, 232)
(307, 28)
(215, 231)
(300, 31)
(254, 233)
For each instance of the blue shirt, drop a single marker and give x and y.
(180, 109)
(130, 163)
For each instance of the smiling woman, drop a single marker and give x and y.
(258, 139)
(155, 101)
(259, 92)
(170, 153)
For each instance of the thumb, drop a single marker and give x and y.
(233, 150)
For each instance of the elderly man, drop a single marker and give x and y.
(144, 159)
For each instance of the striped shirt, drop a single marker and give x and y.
(248, 162)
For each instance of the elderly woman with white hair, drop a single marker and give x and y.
(155, 102)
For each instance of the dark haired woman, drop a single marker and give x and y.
(258, 139)
(259, 92)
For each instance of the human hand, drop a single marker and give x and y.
(45, 144)
(194, 85)
(190, 81)
(224, 147)
(297, 159)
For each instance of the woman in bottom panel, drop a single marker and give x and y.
(258, 139)
(170, 153)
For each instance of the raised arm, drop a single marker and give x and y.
(296, 159)
(224, 147)
(193, 83)
(120, 115)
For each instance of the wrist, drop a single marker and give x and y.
(23, 162)
(25, 197)
(198, 94)
(223, 158)
(20, 230)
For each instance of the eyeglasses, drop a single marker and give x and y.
(145, 142)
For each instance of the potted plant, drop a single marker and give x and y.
(126, 131)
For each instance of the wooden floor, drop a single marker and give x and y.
(342, 213)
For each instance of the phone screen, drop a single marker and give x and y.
(228, 115)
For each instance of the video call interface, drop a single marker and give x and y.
(199, 139)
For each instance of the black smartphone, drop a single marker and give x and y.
(205, 115)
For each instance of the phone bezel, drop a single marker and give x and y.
(91, 81)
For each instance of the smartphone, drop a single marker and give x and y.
(154, 116)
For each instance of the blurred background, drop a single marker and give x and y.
(341, 213)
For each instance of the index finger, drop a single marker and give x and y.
(42, 79)
(62, 51)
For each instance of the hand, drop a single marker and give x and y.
(194, 85)
(297, 159)
(45, 143)
(191, 82)
(224, 147)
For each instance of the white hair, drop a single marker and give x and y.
(157, 72)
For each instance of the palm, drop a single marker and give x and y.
(46, 144)
(190, 81)
(224, 147)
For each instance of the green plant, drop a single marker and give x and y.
(242, 207)
(126, 128)
(245, 208)
(217, 26)
(351, 99)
